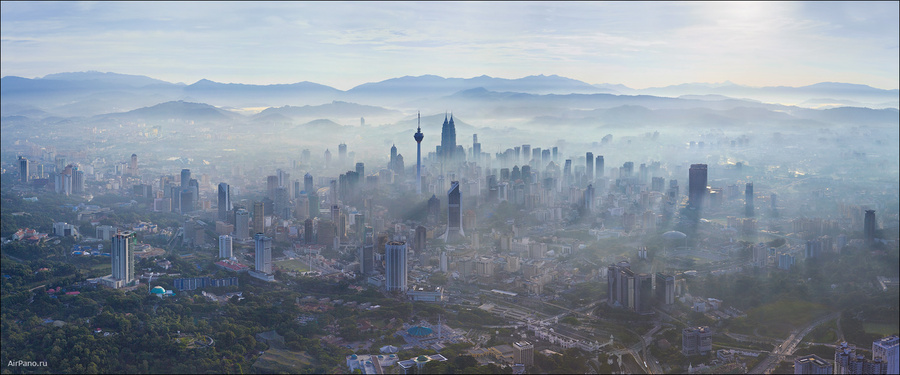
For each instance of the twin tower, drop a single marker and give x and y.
(446, 152)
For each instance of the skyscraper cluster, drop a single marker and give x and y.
(629, 290)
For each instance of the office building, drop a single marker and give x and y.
(226, 247)
(629, 290)
(23, 169)
(812, 364)
(697, 180)
(282, 204)
(187, 200)
(886, 349)
(643, 293)
(589, 198)
(589, 166)
(224, 201)
(185, 177)
(194, 187)
(133, 167)
(122, 258)
(748, 199)
(309, 237)
(598, 164)
(395, 266)
(308, 184)
(523, 353)
(367, 257)
(263, 253)
(696, 340)
(242, 224)
(665, 289)
(869, 227)
(342, 155)
(259, 221)
(454, 214)
(420, 240)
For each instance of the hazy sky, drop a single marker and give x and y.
(343, 44)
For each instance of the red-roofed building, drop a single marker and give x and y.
(233, 266)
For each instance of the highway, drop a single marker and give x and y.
(788, 346)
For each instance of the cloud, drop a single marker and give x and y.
(231, 40)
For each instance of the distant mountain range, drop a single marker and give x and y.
(549, 99)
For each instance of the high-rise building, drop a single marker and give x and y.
(454, 214)
(434, 209)
(23, 169)
(187, 200)
(309, 237)
(589, 198)
(366, 258)
(420, 239)
(599, 166)
(185, 177)
(122, 257)
(696, 340)
(78, 182)
(627, 169)
(194, 187)
(476, 148)
(133, 167)
(589, 166)
(697, 185)
(327, 159)
(419, 137)
(224, 201)
(282, 205)
(361, 172)
(226, 246)
(448, 140)
(393, 159)
(888, 350)
(259, 217)
(869, 227)
(395, 266)
(812, 364)
(241, 224)
(748, 199)
(643, 293)
(271, 185)
(523, 353)
(263, 253)
(665, 289)
(342, 155)
(308, 186)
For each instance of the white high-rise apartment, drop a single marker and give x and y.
(122, 257)
(887, 349)
(395, 266)
(226, 246)
(263, 253)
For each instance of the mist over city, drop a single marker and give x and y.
(417, 188)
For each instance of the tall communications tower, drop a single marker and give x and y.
(419, 136)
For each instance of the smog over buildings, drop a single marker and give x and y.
(494, 187)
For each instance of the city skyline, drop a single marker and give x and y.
(344, 44)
